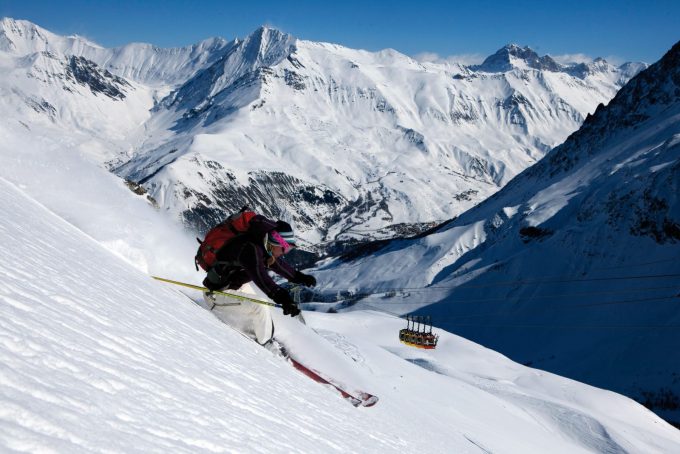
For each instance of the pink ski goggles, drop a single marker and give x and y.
(279, 241)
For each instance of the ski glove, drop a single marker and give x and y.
(282, 297)
(305, 279)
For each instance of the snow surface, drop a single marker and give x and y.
(98, 357)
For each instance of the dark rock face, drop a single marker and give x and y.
(294, 80)
(654, 208)
(583, 70)
(272, 194)
(533, 233)
(278, 195)
(42, 106)
(100, 81)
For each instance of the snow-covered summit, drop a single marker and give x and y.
(267, 47)
(515, 57)
(140, 62)
(21, 37)
(241, 65)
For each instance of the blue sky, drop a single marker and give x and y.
(620, 30)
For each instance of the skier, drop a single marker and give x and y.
(243, 249)
(249, 256)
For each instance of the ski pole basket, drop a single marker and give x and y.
(418, 333)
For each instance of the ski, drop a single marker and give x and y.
(358, 399)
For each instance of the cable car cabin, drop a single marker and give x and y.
(418, 333)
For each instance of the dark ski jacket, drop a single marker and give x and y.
(246, 259)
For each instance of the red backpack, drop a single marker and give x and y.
(235, 225)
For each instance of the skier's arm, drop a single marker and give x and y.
(283, 269)
(252, 260)
(253, 263)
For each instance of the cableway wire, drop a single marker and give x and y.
(463, 287)
(555, 280)
(566, 278)
(573, 326)
(544, 309)
(456, 317)
(532, 297)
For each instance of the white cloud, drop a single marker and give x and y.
(570, 59)
(429, 57)
(615, 60)
(463, 59)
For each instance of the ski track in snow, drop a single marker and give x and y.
(344, 345)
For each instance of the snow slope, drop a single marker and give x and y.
(59, 175)
(95, 356)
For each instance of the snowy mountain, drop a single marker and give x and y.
(96, 356)
(347, 144)
(350, 142)
(573, 266)
(140, 62)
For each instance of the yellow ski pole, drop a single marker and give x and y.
(216, 292)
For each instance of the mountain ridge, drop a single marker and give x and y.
(354, 140)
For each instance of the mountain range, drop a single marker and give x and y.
(573, 266)
(348, 145)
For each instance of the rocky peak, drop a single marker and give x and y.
(244, 65)
(267, 46)
(513, 56)
(86, 72)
